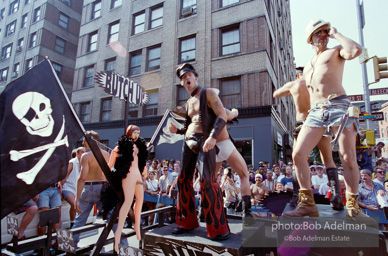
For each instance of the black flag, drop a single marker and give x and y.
(38, 129)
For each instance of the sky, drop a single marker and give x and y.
(342, 14)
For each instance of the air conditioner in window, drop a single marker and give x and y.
(187, 11)
(14, 74)
(19, 48)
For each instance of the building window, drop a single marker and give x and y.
(115, 3)
(29, 64)
(32, 40)
(228, 2)
(133, 110)
(183, 96)
(153, 58)
(58, 69)
(13, 7)
(20, 43)
(106, 108)
(2, 11)
(63, 21)
(151, 108)
(110, 64)
(114, 31)
(188, 7)
(16, 69)
(24, 21)
(10, 29)
(36, 15)
(92, 44)
(60, 45)
(3, 75)
(6, 52)
(156, 17)
(231, 92)
(138, 22)
(88, 80)
(187, 49)
(27, 2)
(230, 40)
(85, 112)
(135, 63)
(96, 10)
(66, 2)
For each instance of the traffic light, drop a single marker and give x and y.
(380, 65)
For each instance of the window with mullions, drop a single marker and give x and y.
(63, 20)
(2, 11)
(60, 45)
(133, 110)
(115, 3)
(33, 39)
(29, 64)
(24, 21)
(189, 6)
(230, 41)
(187, 49)
(16, 69)
(10, 28)
(114, 31)
(135, 63)
(183, 96)
(106, 109)
(58, 69)
(13, 7)
(3, 75)
(153, 58)
(88, 77)
(36, 16)
(92, 44)
(138, 23)
(228, 2)
(110, 64)
(156, 18)
(85, 112)
(231, 92)
(96, 10)
(151, 108)
(6, 51)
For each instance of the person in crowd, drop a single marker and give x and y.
(205, 121)
(50, 198)
(89, 184)
(152, 189)
(164, 182)
(364, 160)
(69, 183)
(320, 178)
(279, 187)
(380, 175)
(287, 180)
(378, 149)
(368, 190)
(231, 190)
(128, 159)
(258, 190)
(30, 208)
(329, 193)
(269, 183)
(262, 170)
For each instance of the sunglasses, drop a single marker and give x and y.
(319, 32)
(382, 172)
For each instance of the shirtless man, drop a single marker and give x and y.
(204, 124)
(89, 184)
(299, 92)
(329, 103)
(258, 190)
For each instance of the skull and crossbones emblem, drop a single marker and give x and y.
(34, 111)
(12, 225)
(65, 240)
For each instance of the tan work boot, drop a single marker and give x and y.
(354, 212)
(306, 205)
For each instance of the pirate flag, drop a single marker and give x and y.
(38, 129)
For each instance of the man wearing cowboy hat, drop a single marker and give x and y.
(329, 102)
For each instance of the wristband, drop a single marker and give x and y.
(219, 124)
(181, 131)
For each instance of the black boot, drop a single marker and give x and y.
(246, 206)
(295, 194)
(336, 200)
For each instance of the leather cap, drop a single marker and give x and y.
(184, 68)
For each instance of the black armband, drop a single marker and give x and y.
(181, 131)
(219, 124)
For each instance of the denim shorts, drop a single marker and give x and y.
(65, 193)
(49, 198)
(328, 114)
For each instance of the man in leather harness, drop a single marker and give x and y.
(205, 120)
(329, 105)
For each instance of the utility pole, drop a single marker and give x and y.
(361, 23)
